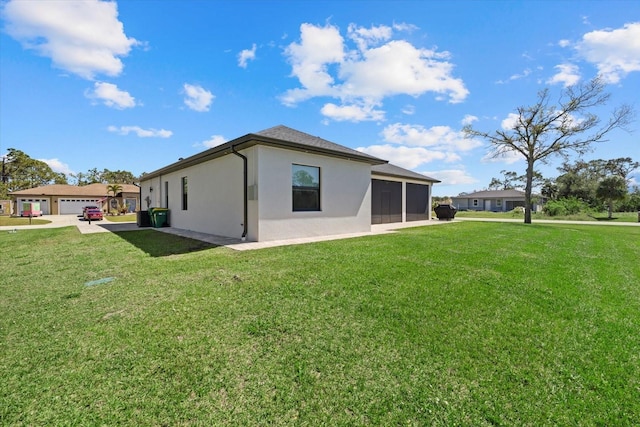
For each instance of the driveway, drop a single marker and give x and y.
(84, 227)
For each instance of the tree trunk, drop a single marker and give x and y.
(610, 208)
(527, 192)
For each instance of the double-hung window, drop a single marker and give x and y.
(305, 183)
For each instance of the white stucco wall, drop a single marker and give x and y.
(345, 196)
(215, 197)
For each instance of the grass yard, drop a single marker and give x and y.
(130, 217)
(12, 221)
(466, 323)
(582, 216)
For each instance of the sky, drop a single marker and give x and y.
(135, 85)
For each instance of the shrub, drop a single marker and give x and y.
(554, 208)
(565, 206)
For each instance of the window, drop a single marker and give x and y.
(475, 202)
(499, 203)
(166, 194)
(305, 182)
(184, 193)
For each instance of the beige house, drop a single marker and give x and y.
(59, 199)
(281, 183)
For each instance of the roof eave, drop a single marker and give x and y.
(415, 178)
(248, 141)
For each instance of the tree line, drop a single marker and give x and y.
(545, 129)
(582, 185)
(21, 172)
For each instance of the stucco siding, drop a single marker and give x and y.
(345, 196)
(214, 197)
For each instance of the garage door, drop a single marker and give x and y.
(417, 202)
(386, 201)
(44, 204)
(74, 206)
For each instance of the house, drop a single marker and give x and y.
(492, 200)
(281, 183)
(62, 199)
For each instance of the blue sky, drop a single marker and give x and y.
(135, 85)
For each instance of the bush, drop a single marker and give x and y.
(563, 207)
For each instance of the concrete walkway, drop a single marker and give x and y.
(105, 226)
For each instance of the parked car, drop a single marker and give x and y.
(92, 214)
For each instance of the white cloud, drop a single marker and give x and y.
(507, 157)
(377, 67)
(352, 113)
(468, 119)
(246, 55)
(214, 141)
(197, 98)
(438, 137)
(409, 110)
(310, 59)
(364, 37)
(615, 53)
(408, 157)
(564, 43)
(568, 75)
(452, 176)
(82, 37)
(111, 96)
(510, 121)
(513, 77)
(410, 146)
(57, 166)
(140, 132)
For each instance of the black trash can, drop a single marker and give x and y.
(445, 212)
(143, 219)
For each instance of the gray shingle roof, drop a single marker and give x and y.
(393, 170)
(284, 133)
(492, 194)
(277, 136)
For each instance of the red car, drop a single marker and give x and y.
(92, 214)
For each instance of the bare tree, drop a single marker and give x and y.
(544, 129)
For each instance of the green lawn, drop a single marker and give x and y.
(466, 323)
(121, 218)
(9, 220)
(601, 216)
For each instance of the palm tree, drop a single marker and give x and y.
(115, 189)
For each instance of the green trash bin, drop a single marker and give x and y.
(152, 220)
(159, 217)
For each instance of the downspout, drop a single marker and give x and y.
(139, 196)
(246, 194)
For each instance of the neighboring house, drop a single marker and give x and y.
(493, 200)
(281, 183)
(62, 199)
(5, 207)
